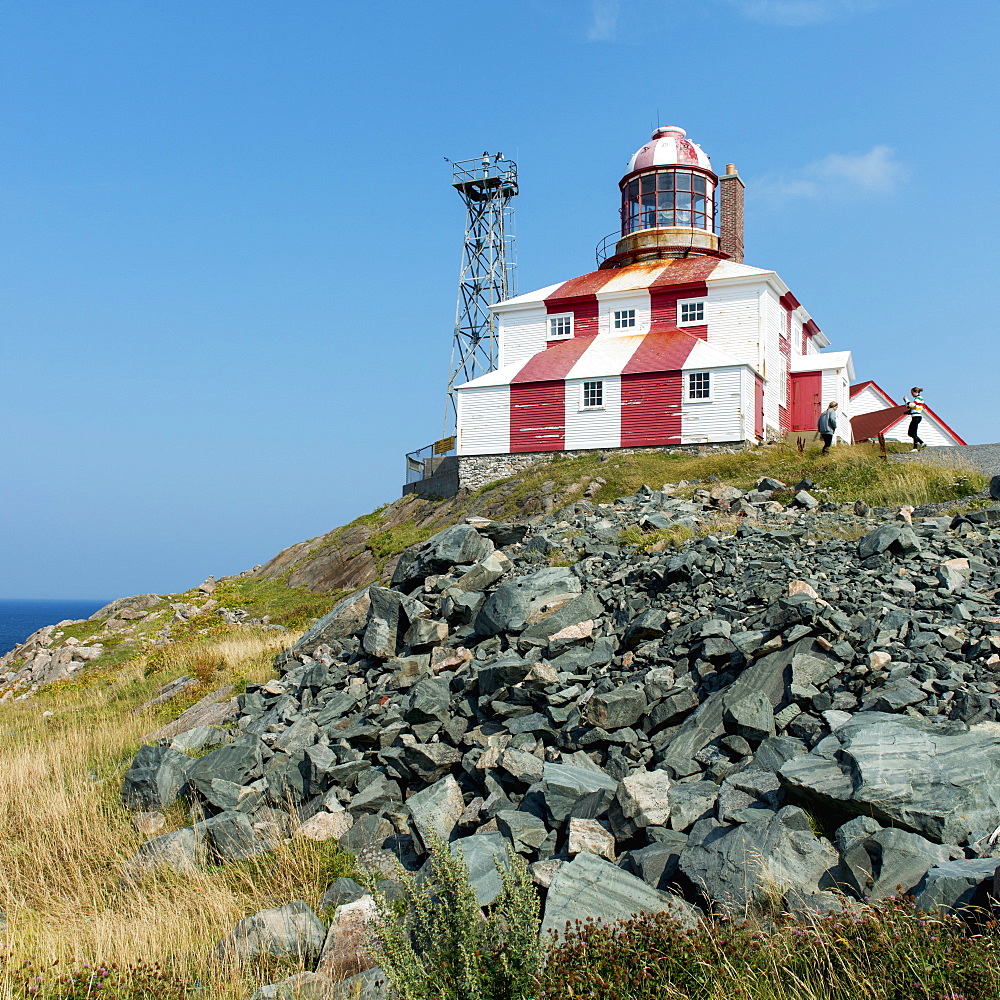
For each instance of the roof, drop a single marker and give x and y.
(823, 362)
(668, 147)
(607, 356)
(869, 425)
(659, 274)
(861, 386)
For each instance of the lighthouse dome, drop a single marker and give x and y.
(669, 147)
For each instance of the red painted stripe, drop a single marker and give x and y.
(579, 297)
(651, 408)
(553, 363)
(538, 416)
(661, 352)
(681, 279)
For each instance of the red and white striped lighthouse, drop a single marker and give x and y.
(672, 341)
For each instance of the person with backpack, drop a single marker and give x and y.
(827, 426)
(915, 408)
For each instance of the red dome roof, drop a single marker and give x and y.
(668, 147)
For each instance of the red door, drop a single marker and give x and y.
(807, 400)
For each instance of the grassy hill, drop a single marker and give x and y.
(64, 836)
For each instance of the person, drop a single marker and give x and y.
(915, 407)
(827, 426)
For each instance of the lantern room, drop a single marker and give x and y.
(668, 203)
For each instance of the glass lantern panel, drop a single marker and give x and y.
(648, 183)
(683, 182)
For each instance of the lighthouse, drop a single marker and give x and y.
(672, 342)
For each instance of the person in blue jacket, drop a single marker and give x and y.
(827, 426)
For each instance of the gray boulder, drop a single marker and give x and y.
(389, 617)
(345, 618)
(436, 810)
(623, 706)
(239, 763)
(527, 599)
(182, 851)
(750, 715)
(897, 538)
(290, 932)
(754, 864)
(157, 777)
(590, 887)
(939, 780)
(957, 885)
(901, 859)
(481, 853)
(565, 787)
(232, 836)
(458, 545)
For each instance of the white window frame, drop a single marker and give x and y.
(560, 320)
(681, 303)
(689, 387)
(584, 405)
(623, 319)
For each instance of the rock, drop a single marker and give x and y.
(644, 800)
(897, 538)
(157, 777)
(623, 706)
(239, 763)
(689, 801)
(343, 890)
(389, 617)
(148, 823)
(232, 836)
(525, 831)
(514, 604)
(747, 866)
(436, 810)
(350, 940)
(346, 617)
(481, 853)
(941, 781)
(430, 761)
(900, 860)
(957, 885)
(749, 715)
(591, 887)
(565, 787)
(325, 826)
(995, 487)
(458, 545)
(657, 863)
(301, 986)
(291, 932)
(484, 573)
(589, 835)
(184, 851)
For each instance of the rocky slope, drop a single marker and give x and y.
(802, 715)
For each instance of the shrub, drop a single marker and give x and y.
(890, 953)
(436, 944)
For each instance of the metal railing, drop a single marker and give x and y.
(425, 462)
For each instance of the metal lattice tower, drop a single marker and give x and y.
(487, 186)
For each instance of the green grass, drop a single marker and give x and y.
(293, 607)
(674, 536)
(389, 542)
(848, 473)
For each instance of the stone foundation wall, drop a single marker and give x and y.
(475, 471)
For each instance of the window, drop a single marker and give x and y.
(561, 327)
(624, 318)
(692, 311)
(593, 395)
(665, 198)
(699, 385)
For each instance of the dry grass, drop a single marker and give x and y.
(64, 835)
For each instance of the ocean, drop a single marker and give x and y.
(19, 618)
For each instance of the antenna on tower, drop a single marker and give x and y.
(487, 186)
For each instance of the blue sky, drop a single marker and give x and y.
(231, 247)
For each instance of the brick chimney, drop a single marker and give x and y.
(731, 213)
